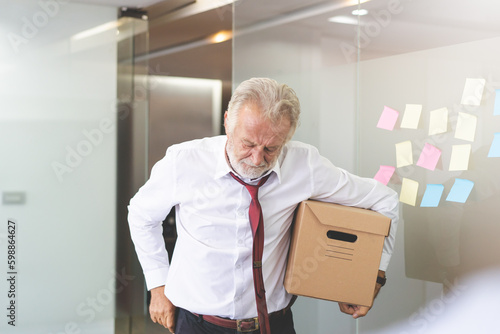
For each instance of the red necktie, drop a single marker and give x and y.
(257, 223)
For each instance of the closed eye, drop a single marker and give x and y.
(248, 144)
(272, 149)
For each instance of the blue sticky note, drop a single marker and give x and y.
(460, 191)
(495, 147)
(432, 195)
(496, 111)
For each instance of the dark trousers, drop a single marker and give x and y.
(188, 323)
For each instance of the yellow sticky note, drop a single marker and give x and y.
(473, 91)
(438, 121)
(466, 126)
(411, 117)
(409, 190)
(460, 157)
(404, 154)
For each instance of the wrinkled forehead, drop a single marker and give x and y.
(253, 124)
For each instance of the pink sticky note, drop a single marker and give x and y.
(384, 174)
(429, 157)
(388, 119)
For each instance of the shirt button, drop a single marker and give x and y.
(240, 213)
(240, 242)
(238, 266)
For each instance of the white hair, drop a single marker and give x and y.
(275, 100)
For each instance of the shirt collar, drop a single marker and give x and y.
(223, 168)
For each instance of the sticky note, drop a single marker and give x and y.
(460, 191)
(411, 116)
(384, 174)
(438, 122)
(388, 119)
(432, 195)
(495, 147)
(404, 154)
(466, 126)
(460, 157)
(473, 91)
(496, 111)
(429, 157)
(409, 190)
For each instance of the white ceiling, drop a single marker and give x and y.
(418, 25)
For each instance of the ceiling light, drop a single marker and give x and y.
(221, 36)
(359, 12)
(343, 20)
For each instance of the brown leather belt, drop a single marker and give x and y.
(241, 325)
(244, 325)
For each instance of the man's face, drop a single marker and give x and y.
(255, 144)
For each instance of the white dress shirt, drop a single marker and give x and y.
(211, 268)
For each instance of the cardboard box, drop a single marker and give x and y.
(335, 252)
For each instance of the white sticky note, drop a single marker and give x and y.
(411, 116)
(404, 154)
(409, 190)
(473, 91)
(466, 126)
(460, 157)
(438, 122)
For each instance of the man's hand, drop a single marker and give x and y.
(355, 310)
(358, 311)
(162, 311)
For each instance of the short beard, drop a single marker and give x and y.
(245, 167)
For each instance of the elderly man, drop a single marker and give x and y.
(234, 198)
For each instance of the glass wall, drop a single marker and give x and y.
(58, 173)
(432, 67)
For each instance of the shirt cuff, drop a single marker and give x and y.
(156, 277)
(384, 261)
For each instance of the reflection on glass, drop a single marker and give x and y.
(424, 56)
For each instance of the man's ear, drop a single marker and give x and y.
(225, 121)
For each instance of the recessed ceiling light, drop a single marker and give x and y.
(360, 12)
(221, 36)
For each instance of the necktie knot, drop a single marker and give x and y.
(254, 191)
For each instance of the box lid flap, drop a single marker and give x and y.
(349, 217)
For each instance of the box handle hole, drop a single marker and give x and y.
(347, 237)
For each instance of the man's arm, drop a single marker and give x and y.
(161, 310)
(146, 212)
(358, 311)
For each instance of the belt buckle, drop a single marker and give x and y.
(253, 327)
